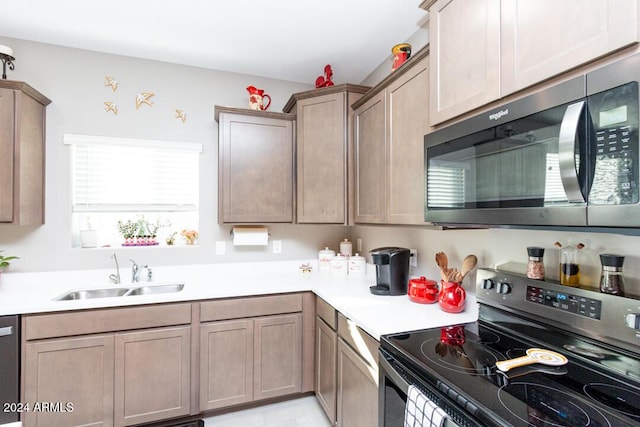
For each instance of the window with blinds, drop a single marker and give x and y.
(120, 179)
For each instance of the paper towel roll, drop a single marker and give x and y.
(250, 236)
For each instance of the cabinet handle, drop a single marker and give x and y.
(6, 331)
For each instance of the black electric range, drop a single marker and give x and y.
(456, 366)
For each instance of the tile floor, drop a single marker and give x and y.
(303, 412)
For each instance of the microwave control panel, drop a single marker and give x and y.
(614, 115)
(588, 307)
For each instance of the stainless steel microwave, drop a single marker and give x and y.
(565, 156)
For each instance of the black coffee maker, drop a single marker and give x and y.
(392, 270)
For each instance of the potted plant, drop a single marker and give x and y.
(190, 236)
(128, 230)
(4, 261)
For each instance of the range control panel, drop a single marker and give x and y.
(583, 306)
(609, 318)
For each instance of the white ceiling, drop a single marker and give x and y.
(283, 39)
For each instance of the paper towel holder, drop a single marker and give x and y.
(247, 226)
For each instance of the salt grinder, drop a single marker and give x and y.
(535, 266)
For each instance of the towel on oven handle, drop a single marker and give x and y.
(422, 412)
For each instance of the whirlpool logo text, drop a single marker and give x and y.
(497, 115)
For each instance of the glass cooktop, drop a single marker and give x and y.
(597, 387)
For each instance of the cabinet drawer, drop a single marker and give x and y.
(327, 313)
(237, 308)
(40, 326)
(364, 344)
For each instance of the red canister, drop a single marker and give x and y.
(423, 290)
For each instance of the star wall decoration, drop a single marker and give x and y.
(109, 81)
(111, 106)
(181, 115)
(144, 98)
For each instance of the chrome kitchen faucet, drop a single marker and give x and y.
(115, 278)
(137, 269)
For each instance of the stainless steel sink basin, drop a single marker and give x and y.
(92, 293)
(156, 289)
(83, 294)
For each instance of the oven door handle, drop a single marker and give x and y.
(400, 382)
(566, 152)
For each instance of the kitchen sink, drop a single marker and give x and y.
(83, 294)
(92, 293)
(156, 289)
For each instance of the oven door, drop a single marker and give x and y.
(395, 380)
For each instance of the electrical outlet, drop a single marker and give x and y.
(277, 246)
(359, 245)
(413, 260)
(221, 247)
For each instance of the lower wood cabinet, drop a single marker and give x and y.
(246, 359)
(226, 363)
(108, 378)
(138, 365)
(152, 375)
(326, 353)
(346, 369)
(357, 389)
(73, 371)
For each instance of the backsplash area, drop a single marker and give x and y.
(507, 248)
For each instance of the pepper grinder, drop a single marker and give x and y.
(611, 281)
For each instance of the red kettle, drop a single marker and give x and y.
(452, 297)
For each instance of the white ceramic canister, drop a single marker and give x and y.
(357, 265)
(346, 248)
(324, 260)
(339, 265)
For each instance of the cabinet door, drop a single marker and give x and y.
(152, 375)
(322, 156)
(255, 169)
(465, 56)
(6, 154)
(370, 161)
(408, 115)
(326, 349)
(277, 356)
(544, 38)
(71, 371)
(226, 363)
(357, 389)
(29, 157)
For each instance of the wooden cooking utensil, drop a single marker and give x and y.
(534, 355)
(468, 264)
(443, 262)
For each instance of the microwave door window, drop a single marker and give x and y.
(517, 167)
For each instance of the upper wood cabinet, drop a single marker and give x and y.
(464, 54)
(390, 123)
(487, 49)
(573, 32)
(324, 146)
(255, 166)
(22, 153)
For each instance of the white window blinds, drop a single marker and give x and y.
(133, 175)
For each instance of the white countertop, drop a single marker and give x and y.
(22, 293)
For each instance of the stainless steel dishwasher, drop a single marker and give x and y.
(9, 368)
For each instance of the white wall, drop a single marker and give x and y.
(74, 80)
